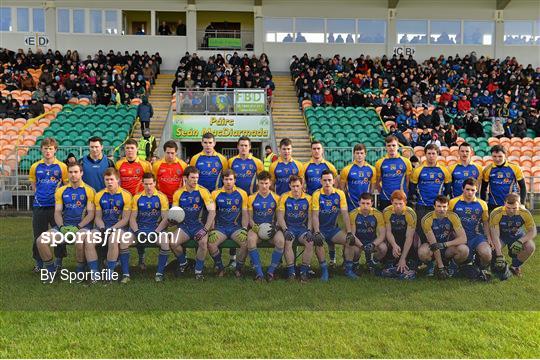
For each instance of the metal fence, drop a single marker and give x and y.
(220, 101)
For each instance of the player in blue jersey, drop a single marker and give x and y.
(314, 168)
(427, 182)
(245, 166)
(112, 211)
(46, 175)
(393, 172)
(502, 178)
(367, 224)
(357, 178)
(294, 219)
(231, 222)
(312, 176)
(210, 164)
(284, 167)
(196, 201)
(95, 164)
(147, 222)
(446, 239)
(512, 225)
(262, 207)
(327, 204)
(473, 213)
(73, 215)
(464, 169)
(400, 221)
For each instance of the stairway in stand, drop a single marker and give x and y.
(288, 119)
(160, 98)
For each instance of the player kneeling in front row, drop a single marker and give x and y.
(73, 214)
(148, 221)
(446, 239)
(367, 223)
(193, 199)
(294, 220)
(514, 226)
(232, 220)
(326, 205)
(113, 209)
(400, 223)
(262, 208)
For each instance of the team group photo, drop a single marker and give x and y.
(269, 179)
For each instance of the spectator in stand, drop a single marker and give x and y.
(388, 112)
(145, 113)
(520, 128)
(451, 136)
(463, 105)
(415, 137)
(439, 118)
(474, 128)
(424, 120)
(434, 140)
(35, 109)
(497, 130)
(180, 28)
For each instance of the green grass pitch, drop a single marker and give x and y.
(371, 317)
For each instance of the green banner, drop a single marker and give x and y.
(193, 127)
(249, 101)
(225, 42)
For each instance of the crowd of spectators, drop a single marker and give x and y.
(111, 78)
(454, 92)
(195, 72)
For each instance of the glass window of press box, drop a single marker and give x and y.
(278, 29)
(170, 23)
(519, 33)
(478, 32)
(309, 30)
(445, 32)
(371, 31)
(340, 31)
(411, 31)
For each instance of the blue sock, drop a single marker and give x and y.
(516, 262)
(276, 258)
(58, 262)
(80, 267)
(256, 261)
(49, 265)
(39, 263)
(239, 265)
(324, 267)
(181, 259)
(111, 265)
(290, 270)
(124, 261)
(93, 265)
(348, 266)
(217, 260)
(199, 266)
(304, 269)
(332, 254)
(162, 261)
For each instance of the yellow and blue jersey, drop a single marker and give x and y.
(460, 173)
(210, 168)
(246, 172)
(471, 214)
(112, 205)
(369, 226)
(280, 171)
(393, 173)
(329, 206)
(313, 173)
(296, 210)
(74, 202)
(430, 182)
(193, 202)
(263, 207)
(359, 180)
(48, 178)
(511, 227)
(149, 209)
(442, 228)
(502, 181)
(229, 207)
(399, 223)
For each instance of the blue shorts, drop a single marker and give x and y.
(329, 234)
(298, 232)
(475, 240)
(229, 230)
(190, 229)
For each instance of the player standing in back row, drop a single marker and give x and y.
(282, 169)
(245, 166)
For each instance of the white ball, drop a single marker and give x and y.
(266, 231)
(176, 214)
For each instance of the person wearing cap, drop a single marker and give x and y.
(147, 145)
